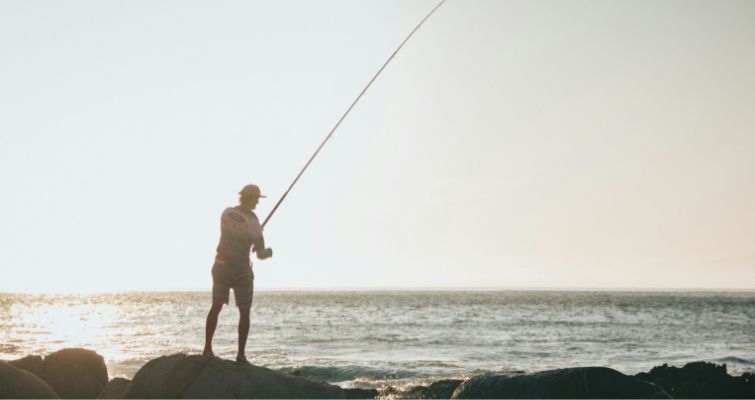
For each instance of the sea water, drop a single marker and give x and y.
(376, 338)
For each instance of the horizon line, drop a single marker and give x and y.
(401, 289)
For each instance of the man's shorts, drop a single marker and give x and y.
(239, 277)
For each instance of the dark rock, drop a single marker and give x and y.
(701, 380)
(32, 364)
(442, 389)
(182, 376)
(115, 389)
(75, 373)
(17, 383)
(165, 377)
(357, 393)
(568, 383)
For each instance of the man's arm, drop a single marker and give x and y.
(258, 246)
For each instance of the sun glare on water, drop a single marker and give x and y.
(126, 329)
(78, 321)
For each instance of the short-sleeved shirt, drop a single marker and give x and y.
(238, 230)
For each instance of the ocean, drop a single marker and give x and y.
(372, 339)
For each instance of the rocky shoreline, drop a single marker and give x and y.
(81, 373)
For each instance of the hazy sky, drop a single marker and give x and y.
(509, 144)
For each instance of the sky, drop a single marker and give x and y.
(510, 144)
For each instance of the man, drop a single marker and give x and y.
(240, 233)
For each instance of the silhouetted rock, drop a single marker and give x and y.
(17, 383)
(80, 373)
(115, 389)
(182, 376)
(442, 389)
(360, 393)
(75, 373)
(32, 364)
(701, 380)
(568, 383)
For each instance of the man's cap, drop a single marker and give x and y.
(251, 190)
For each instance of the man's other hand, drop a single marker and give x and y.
(264, 254)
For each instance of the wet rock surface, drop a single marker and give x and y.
(701, 380)
(361, 393)
(568, 383)
(442, 389)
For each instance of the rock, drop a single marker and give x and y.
(183, 376)
(442, 389)
(700, 380)
(115, 389)
(17, 383)
(587, 383)
(357, 393)
(75, 373)
(165, 377)
(32, 364)
(71, 373)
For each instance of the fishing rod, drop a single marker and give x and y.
(347, 113)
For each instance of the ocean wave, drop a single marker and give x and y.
(432, 364)
(735, 360)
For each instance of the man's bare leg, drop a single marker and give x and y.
(212, 323)
(244, 316)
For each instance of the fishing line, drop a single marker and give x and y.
(347, 112)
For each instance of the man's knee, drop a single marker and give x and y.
(244, 312)
(216, 307)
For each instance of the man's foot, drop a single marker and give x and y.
(242, 360)
(208, 353)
